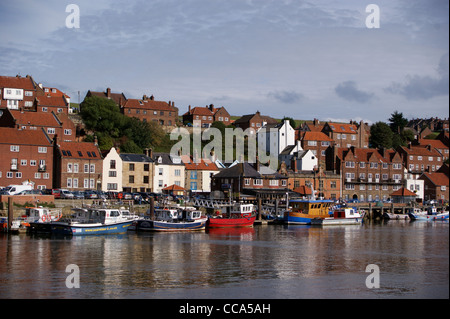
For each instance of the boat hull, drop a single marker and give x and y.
(89, 229)
(300, 219)
(336, 221)
(230, 222)
(166, 226)
(443, 216)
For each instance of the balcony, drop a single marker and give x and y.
(42, 168)
(14, 167)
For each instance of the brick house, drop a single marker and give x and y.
(77, 165)
(438, 144)
(366, 174)
(48, 103)
(52, 123)
(326, 184)
(245, 179)
(253, 121)
(149, 110)
(417, 158)
(25, 155)
(317, 142)
(137, 172)
(17, 92)
(436, 186)
(207, 115)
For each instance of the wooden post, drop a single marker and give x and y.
(259, 208)
(152, 208)
(10, 212)
(370, 211)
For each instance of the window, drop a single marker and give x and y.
(146, 167)
(193, 174)
(69, 167)
(131, 167)
(146, 180)
(42, 149)
(50, 130)
(9, 174)
(193, 185)
(257, 182)
(160, 171)
(178, 173)
(86, 168)
(75, 168)
(273, 182)
(69, 183)
(67, 132)
(75, 183)
(112, 186)
(247, 181)
(18, 174)
(23, 162)
(32, 162)
(112, 164)
(92, 168)
(131, 179)
(112, 174)
(14, 148)
(284, 182)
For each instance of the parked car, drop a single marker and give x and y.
(64, 193)
(90, 194)
(54, 192)
(78, 194)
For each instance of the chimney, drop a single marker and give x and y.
(146, 151)
(108, 93)
(189, 109)
(211, 107)
(150, 153)
(95, 141)
(144, 97)
(152, 98)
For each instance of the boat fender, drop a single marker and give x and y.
(44, 218)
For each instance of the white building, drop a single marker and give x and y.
(274, 138)
(414, 184)
(112, 172)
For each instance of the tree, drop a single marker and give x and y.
(381, 135)
(397, 122)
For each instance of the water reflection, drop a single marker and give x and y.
(275, 260)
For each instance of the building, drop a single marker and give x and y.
(17, 92)
(53, 103)
(53, 124)
(414, 184)
(77, 165)
(418, 159)
(137, 173)
(118, 98)
(274, 138)
(249, 180)
(326, 184)
(149, 110)
(25, 155)
(253, 121)
(112, 171)
(438, 144)
(169, 170)
(198, 175)
(436, 186)
(316, 142)
(366, 174)
(206, 115)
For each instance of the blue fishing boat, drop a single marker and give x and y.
(173, 220)
(430, 216)
(304, 210)
(93, 221)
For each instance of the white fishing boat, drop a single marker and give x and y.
(342, 216)
(93, 221)
(173, 220)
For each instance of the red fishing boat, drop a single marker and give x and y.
(238, 215)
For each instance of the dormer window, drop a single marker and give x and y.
(160, 160)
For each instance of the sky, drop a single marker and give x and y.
(302, 59)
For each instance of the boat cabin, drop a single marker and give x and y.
(239, 210)
(314, 207)
(174, 215)
(346, 213)
(82, 215)
(40, 214)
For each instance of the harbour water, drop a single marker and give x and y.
(264, 262)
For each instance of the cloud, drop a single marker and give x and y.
(348, 91)
(417, 87)
(288, 97)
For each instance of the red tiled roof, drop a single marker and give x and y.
(16, 82)
(35, 118)
(174, 188)
(434, 143)
(13, 136)
(205, 164)
(148, 104)
(343, 128)
(362, 154)
(79, 150)
(403, 192)
(420, 150)
(316, 136)
(438, 179)
(303, 190)
(51, 101)
(200, 111)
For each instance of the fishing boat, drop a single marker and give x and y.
(429, 216)
(303, 211)
(342, 216)
(238, 215)
(92, 221)
(173, 220)
(38, 219)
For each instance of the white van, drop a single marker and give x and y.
(15, 189)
